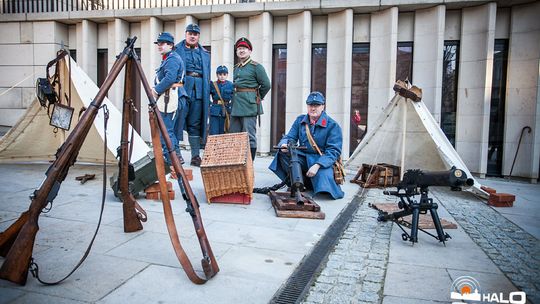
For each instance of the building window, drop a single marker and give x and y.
(449, 90)
(404, 61)
(318, 68)
(496, 117)
(359, 93)
(102, 67)
(279, 84)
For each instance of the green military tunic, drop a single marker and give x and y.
(250, 74)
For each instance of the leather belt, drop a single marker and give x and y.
(246, 89)
(194, 74)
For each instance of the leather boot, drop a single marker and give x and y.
(253, 153)
(195, 145)
(196, 161)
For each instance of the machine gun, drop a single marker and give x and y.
(293, 203)
(417, 182)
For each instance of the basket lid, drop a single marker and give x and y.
(226, 150)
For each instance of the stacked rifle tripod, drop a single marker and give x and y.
(17, 241)
(417, 182)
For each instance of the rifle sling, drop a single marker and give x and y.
(34, 268)
(312, 140)
(222, 103)
(167, 209)
(314, 145)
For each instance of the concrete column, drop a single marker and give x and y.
(118, 32)
(87, 35)
(382, 60)
(523, 93)
(181, 27)
(150, 60)
(338, 69)
(298, 65)
(428, 56)
(222, 43)
(474, 85)
(261, 33)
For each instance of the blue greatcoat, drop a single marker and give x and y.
(217, 116)
(327, 134)
(171, 71)
(203, 86)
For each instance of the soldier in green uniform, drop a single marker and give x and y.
(250, 86)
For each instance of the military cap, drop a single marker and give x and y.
(193, 28)
(315, 98)
(165, 37)
(222, 70)
(243, 42)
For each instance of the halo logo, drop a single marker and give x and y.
(467, 289)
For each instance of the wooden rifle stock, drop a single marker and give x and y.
(19, 252)
(209, 263)
(132, 222)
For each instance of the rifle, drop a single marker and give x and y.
(209, 263)
(133, 213)
(417, 182)
(18, 240)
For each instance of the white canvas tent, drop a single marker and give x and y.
(32, 139)
(406, 135)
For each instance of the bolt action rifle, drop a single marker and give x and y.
(157, 126)
(417, 182)
(133, 212)
(17, 242)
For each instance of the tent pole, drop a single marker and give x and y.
(403, 137)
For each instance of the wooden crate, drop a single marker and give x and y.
(152, 192)
(379, 175)
(226, 166)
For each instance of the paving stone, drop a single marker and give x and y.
(513, 250)
(358, 259)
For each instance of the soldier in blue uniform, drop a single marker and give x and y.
(169, 76)
(197, 86)
(319, 174)
(220, 109)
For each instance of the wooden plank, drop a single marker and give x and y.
(300, 214)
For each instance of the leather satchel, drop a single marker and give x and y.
(339, 169)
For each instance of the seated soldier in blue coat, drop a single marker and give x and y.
(220, 109)
(169, 76)
(317, 168)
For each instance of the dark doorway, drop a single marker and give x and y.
(73, 54)
(359, 94)
(279, 85)
(404, 61)
(449, 90)
(102, 66)
(496, 117)
(318, 68)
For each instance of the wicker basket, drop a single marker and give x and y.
(227, 167)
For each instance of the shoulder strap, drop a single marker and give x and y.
(312, 140)
(218, 92)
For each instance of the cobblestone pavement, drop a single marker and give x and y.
(514, 251)
(355, 270)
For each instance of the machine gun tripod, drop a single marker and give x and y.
(293, 203)
(417, 182)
